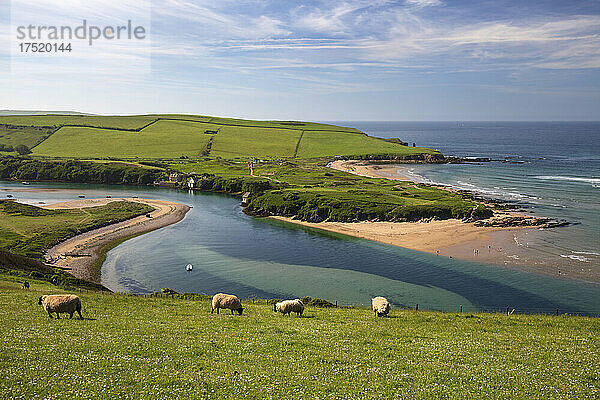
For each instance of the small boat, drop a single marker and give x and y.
(189, 267)
(81, 196)
(108, 196)
(25, 183)
(9, 195)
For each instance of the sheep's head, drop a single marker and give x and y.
(41, 299)
(382, 311)
(240, 310)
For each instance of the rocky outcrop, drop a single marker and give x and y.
(507, 221)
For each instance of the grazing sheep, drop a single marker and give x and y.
(226, 301)
(25, 285)
(289, 306)
(61, 303)
(381, 306)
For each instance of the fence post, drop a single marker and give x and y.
(556, 310)
(461, 308)
(417, 307)
(506, 310)
(336, 304)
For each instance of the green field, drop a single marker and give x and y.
(29, 136)
(28, 230)
(170, 136)
(122, 122)
(322, 144)
(232, 142)
(148, 348)
(164, 139)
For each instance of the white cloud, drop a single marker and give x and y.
(424, 3)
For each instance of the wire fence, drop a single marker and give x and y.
(445, 308)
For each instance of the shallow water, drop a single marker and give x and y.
(251, 257)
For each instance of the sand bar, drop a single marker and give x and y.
(79, 253)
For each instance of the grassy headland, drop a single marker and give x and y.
(139, 347)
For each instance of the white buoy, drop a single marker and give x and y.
(189, 267)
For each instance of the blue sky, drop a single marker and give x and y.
(316, 60)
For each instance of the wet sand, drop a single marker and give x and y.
(79, 254)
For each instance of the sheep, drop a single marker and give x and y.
(381, 306)
(289, 306)
(61, 303)
(224, 301)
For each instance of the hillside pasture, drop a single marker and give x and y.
(164, 139)
(232, 142)
(118, 122)
(30, 136)
(149, 348)
(316, 144)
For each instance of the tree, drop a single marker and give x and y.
(22, 149)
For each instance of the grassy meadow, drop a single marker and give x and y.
(163, 139)
(29, 136)
(135, 347)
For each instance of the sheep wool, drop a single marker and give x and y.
(381, 306)
(289, 306)
(226, 301)
(61, 303)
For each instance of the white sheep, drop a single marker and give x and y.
(381, 306)
(61, 303)
(226, 301)
(289, 306)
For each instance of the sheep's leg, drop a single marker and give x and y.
(57, 316)
(79, 312)
(71, 316)
(50, 314)
(232, 311)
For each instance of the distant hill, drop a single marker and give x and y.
(170, 136)
(34, 112)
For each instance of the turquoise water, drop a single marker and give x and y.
(251, 257)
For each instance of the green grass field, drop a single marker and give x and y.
(148, 348)
(29, 230)
(322, 144)
(173, 136)
(232, 142)
(123, 122)
(164, 139)
(29, 136)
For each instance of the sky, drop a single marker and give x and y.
(406, 60)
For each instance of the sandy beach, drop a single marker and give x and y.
(79, 254)
(387, 171)
(506, 247)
